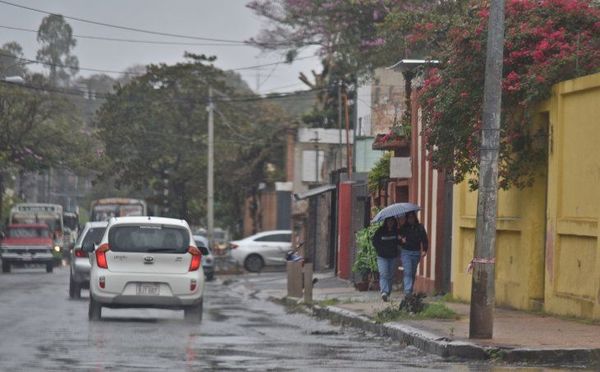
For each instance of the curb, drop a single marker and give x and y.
(446, 348)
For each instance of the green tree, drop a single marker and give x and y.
(154, 132)
(11, 62)
(40, 129)
(57, 42)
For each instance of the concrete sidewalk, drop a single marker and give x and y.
(518, 335)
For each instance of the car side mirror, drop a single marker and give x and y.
(88, 247)
(2, 235)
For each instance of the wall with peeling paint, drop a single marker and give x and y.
(572, 250)
(547, 251)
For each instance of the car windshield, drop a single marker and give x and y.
(28, 232)
(94, 235)
(148, 238)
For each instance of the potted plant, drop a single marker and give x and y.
(398, 137)
(365, 263)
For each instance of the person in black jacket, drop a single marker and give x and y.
(386, 242)
(414, 246)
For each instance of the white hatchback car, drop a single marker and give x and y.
(265, 248)
(146, 262)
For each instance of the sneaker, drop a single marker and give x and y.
(384, 297)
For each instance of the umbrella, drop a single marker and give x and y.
(395, 210)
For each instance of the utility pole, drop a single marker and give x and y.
(339, 94)
(348, 147)
(481, 323)
(316, 141)
(210, 176)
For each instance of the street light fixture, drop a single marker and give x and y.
(409, 65)
(408, 69)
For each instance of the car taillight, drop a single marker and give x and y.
(80, 253)
(102, 282)
(196, 258)
(234, 246)
(101, 256)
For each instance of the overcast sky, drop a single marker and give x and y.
(222, 19)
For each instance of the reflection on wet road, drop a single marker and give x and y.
(42, 329)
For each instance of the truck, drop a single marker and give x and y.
(26, 245)
(104, 209)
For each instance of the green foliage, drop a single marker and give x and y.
(329, 302)
(39, 130)
(545, 42)
(380, 172)
(366, 256)
(434, 310)
(10, 62)
(154, 130)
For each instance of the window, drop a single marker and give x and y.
(275, 238)
(94, 235)
(309, 163)
(148, 238)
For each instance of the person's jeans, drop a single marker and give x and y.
(410, 261)
(387, 267)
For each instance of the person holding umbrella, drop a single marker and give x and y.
(386, 242)
(386, 255)
(415, 245)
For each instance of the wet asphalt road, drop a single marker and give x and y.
(42, 329)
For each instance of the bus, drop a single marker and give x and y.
(103, 209)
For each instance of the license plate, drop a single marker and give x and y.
(26, 257)
(148, 289)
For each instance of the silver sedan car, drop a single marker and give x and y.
(208, 260)
(80, 262)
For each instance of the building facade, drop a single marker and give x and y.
(547, 246)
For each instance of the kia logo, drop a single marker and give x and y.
(148, 260)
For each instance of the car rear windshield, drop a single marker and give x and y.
(148, 238)
(94, 235)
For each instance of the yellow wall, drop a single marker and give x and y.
(547, 251)
(572, 250)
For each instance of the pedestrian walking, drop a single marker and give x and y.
(414, 246)
(386, 242)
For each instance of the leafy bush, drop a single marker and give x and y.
(366, 256)
(380, 172)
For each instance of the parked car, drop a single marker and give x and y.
(28, 244)
(208, 260)
(80, 262)
(220, 240)
(262, 249)
(146, 262)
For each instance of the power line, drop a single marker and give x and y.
(127, 28)
(67, 66)
(239, 99)
(28, 60)
(136, 41)
(267, 64)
